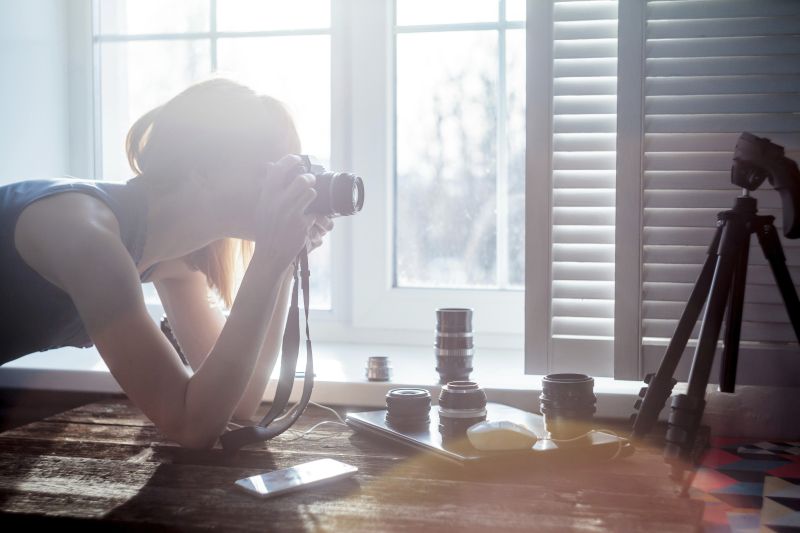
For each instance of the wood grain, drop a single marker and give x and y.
(104, 464)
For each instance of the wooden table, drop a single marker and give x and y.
(104, 464)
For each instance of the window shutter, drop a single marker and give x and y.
(583, 174)
(714, 68)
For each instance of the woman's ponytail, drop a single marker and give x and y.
(136, 139)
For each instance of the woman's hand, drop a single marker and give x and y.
(322, 225)
(282, 227)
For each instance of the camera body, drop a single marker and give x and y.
(757, 159)
(338, 193)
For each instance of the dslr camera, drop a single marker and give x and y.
(338, 193)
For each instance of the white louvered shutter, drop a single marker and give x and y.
(583, 177)
(714, 68)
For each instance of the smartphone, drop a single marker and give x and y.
(297, 477)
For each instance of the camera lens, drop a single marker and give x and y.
(453, 347)
(567, 403)
(461, 404)
(338, 194)
(408, 408)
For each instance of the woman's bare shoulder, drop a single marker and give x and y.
(55, 234)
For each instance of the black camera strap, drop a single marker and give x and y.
(276, 421)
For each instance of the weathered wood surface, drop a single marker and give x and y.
(106, 465)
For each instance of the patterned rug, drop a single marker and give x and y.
(749, 486)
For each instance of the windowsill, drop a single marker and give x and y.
(340, 376)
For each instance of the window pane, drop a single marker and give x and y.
(263, 15)
(446, 159)
(134, 78)
(515, 10)
(412, 12)
(515, 90)
(152, 16)
(301, 79)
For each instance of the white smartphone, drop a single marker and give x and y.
(297, 477)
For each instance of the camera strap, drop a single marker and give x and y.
(276, 421)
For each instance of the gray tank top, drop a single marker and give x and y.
(36, 315)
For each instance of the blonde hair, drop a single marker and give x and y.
(203, 127)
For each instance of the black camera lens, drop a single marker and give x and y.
(338, 194)
(461, 404)
(453, 347)
(567, 403)
(408, 408)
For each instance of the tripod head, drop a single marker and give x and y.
(757, 159)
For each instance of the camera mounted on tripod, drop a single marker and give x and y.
(756, 159)
(721, 284)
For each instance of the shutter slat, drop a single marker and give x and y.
(722, 27)
(584, 160)
(724, 46)
(596, 253)
(704, 9)
(710, 142)
(602, 179)
(583, 326)
(600, 290)
(584, 123)
(584, 216)
(772, 333)
(781, 122)
(722, 200)
(761, 275)
(584, 142)
(584, 85)
(588, 67)
(705, 84)
(598, 29)
(706, 66)
(679, 292)
(584, 197)
(586, 105)
(583, 271)
(585, 48)
(583, 308)
(585, 10)
(729, 103)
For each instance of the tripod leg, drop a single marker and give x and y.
(660, 385)
(687, 409)
(771, 245)
(733, 325)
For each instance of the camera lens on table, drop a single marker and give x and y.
(454, 348)
(567, 403)
(461, 404)
(408, 408)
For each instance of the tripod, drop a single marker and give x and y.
(722, 282)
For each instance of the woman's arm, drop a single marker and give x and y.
(197, 325)
(77, 247)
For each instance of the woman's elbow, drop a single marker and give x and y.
(192, 438)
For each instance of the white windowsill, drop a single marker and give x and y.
(340, 376)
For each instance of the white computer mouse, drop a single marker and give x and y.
(500, 435)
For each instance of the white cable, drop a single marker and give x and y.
(328, 409)
(606, 431)
(300, 435)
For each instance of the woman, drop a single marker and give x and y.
(213, 174)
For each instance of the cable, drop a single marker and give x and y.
(304, 434)
(619, 441)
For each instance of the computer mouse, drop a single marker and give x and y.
(500, 435)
